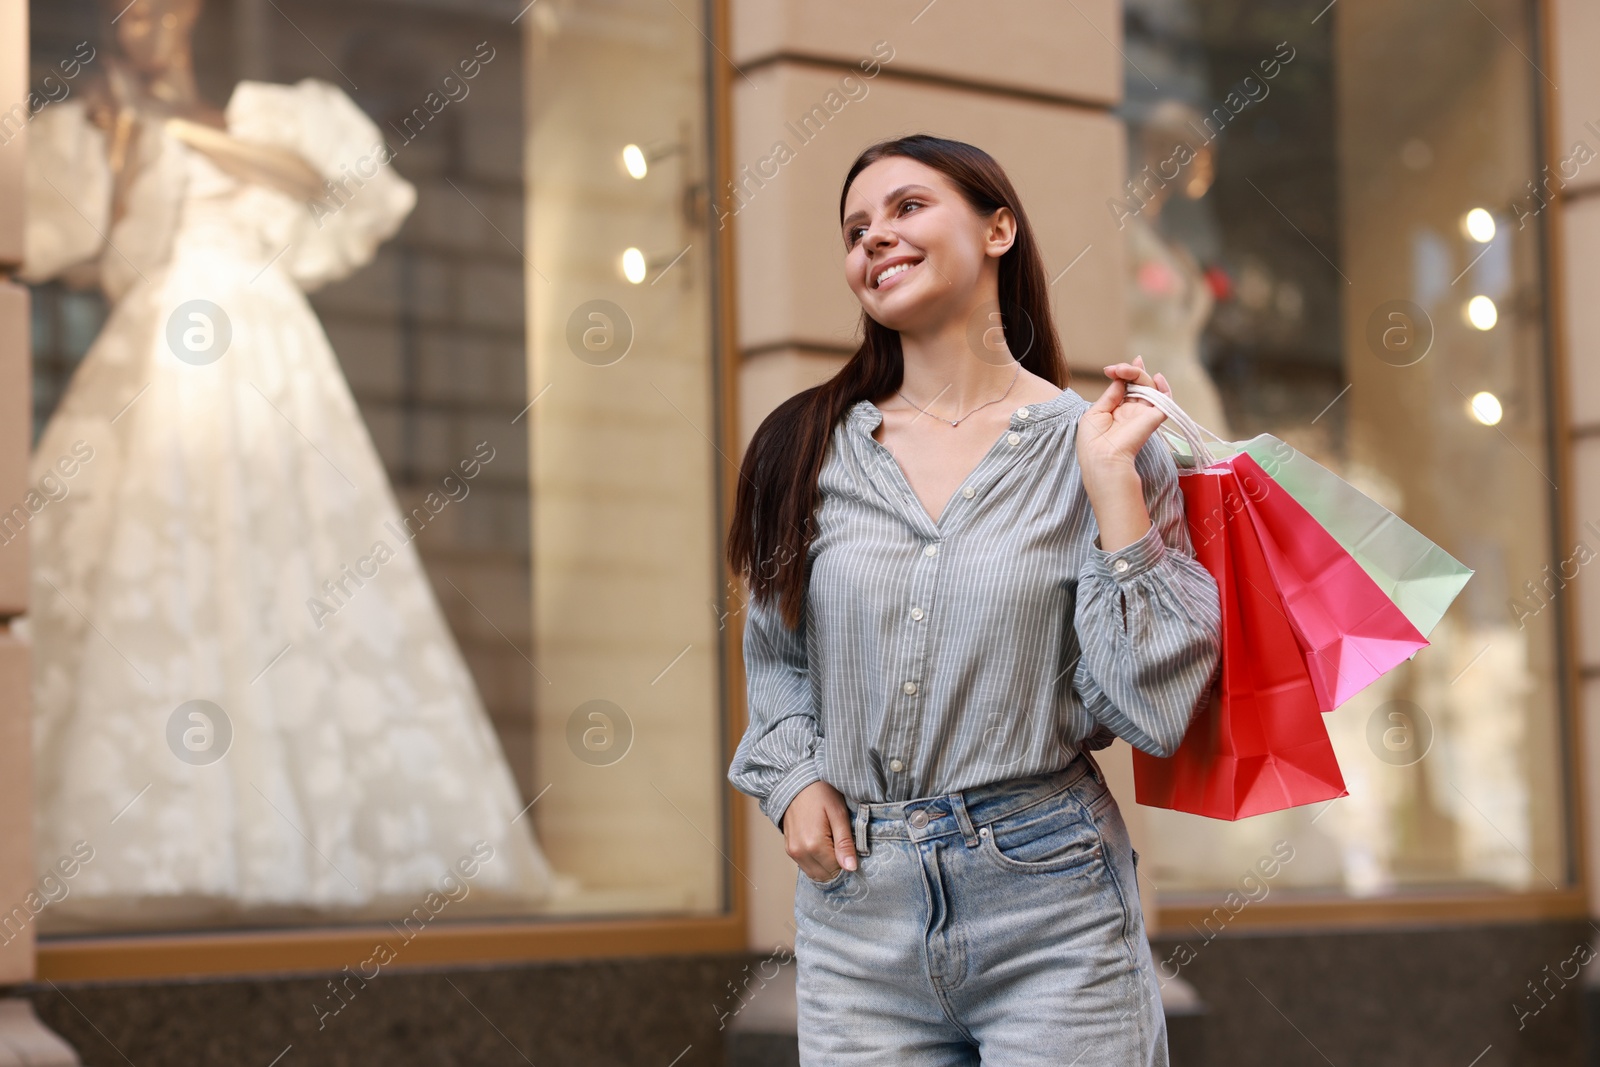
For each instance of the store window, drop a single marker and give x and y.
(377, 422)
(1349, 257)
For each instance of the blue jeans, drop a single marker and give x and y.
(997, 925)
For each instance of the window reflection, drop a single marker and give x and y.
(350, 594)
(1367, 288)
(625, 465)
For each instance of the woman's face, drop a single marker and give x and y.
(905, 216)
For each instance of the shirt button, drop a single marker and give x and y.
(909, 688)
(896, 765)
(916, 613)
(969, 492)
(1013, 439)
(1120, 565)
(931, 550)
(1022, 413)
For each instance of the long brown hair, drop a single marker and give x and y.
(777, 497)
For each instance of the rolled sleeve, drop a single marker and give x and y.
(1150, 631)
(781, 751)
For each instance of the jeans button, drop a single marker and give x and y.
(919, 818)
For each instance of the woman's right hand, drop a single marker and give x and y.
(816, 832)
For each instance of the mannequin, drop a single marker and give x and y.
(1169, 298)
(229, 756)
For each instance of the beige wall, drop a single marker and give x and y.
(1035, 98)
(1046, 48)
(16, 716)
(1574, 81)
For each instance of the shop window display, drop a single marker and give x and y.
(303, 615)
(1332, 242)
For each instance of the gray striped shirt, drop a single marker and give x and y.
(989, 645)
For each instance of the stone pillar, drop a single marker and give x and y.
(814, 84)
(23, 1039)
(16, 757)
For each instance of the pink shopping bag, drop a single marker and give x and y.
(1351, 632)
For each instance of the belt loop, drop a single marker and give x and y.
(862, 821)
(958, 805)
(1094, 767)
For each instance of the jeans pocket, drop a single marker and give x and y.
(837, 879)
(1052, 836)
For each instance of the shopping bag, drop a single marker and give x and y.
(1259, 743)
(1351, 633)
(1421, 578)
(1350, 629)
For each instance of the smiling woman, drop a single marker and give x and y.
(961, 532)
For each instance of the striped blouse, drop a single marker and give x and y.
(994, 643)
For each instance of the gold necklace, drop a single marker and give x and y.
(969, 414)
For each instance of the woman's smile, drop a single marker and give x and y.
(888, 274)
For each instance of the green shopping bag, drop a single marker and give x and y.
(1420, 577)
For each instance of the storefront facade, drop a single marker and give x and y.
(491, 505)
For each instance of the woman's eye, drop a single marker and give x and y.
(854, 235)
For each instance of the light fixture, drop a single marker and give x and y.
(633, 265)
(1478, 224)
(1482, 313)
(636, 160)
(1485, 407)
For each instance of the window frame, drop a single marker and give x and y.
(301, 949)
(1313, 911)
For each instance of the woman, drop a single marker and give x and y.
(996, 579)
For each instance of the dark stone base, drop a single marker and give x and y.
(1441, 995)
(763, 1050)
(605, 1013)
(1591, 1027)
(1457, 996)
(1186, 1039)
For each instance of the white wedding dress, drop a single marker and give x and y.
(218, 498)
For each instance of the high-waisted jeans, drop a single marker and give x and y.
(997, 925)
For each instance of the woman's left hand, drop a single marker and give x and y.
(1115, 428)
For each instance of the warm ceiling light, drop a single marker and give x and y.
(633, 159)
(1478, 224)
(1485, 407)
(1481, 313)
(633, 267)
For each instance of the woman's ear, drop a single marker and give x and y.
(1002, 232)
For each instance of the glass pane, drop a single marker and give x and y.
(375, 565)
(1366, 280)
(624, 425)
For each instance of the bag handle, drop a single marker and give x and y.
(1182, 425)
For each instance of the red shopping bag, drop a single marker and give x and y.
(1350, 631)
(1259, 744)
